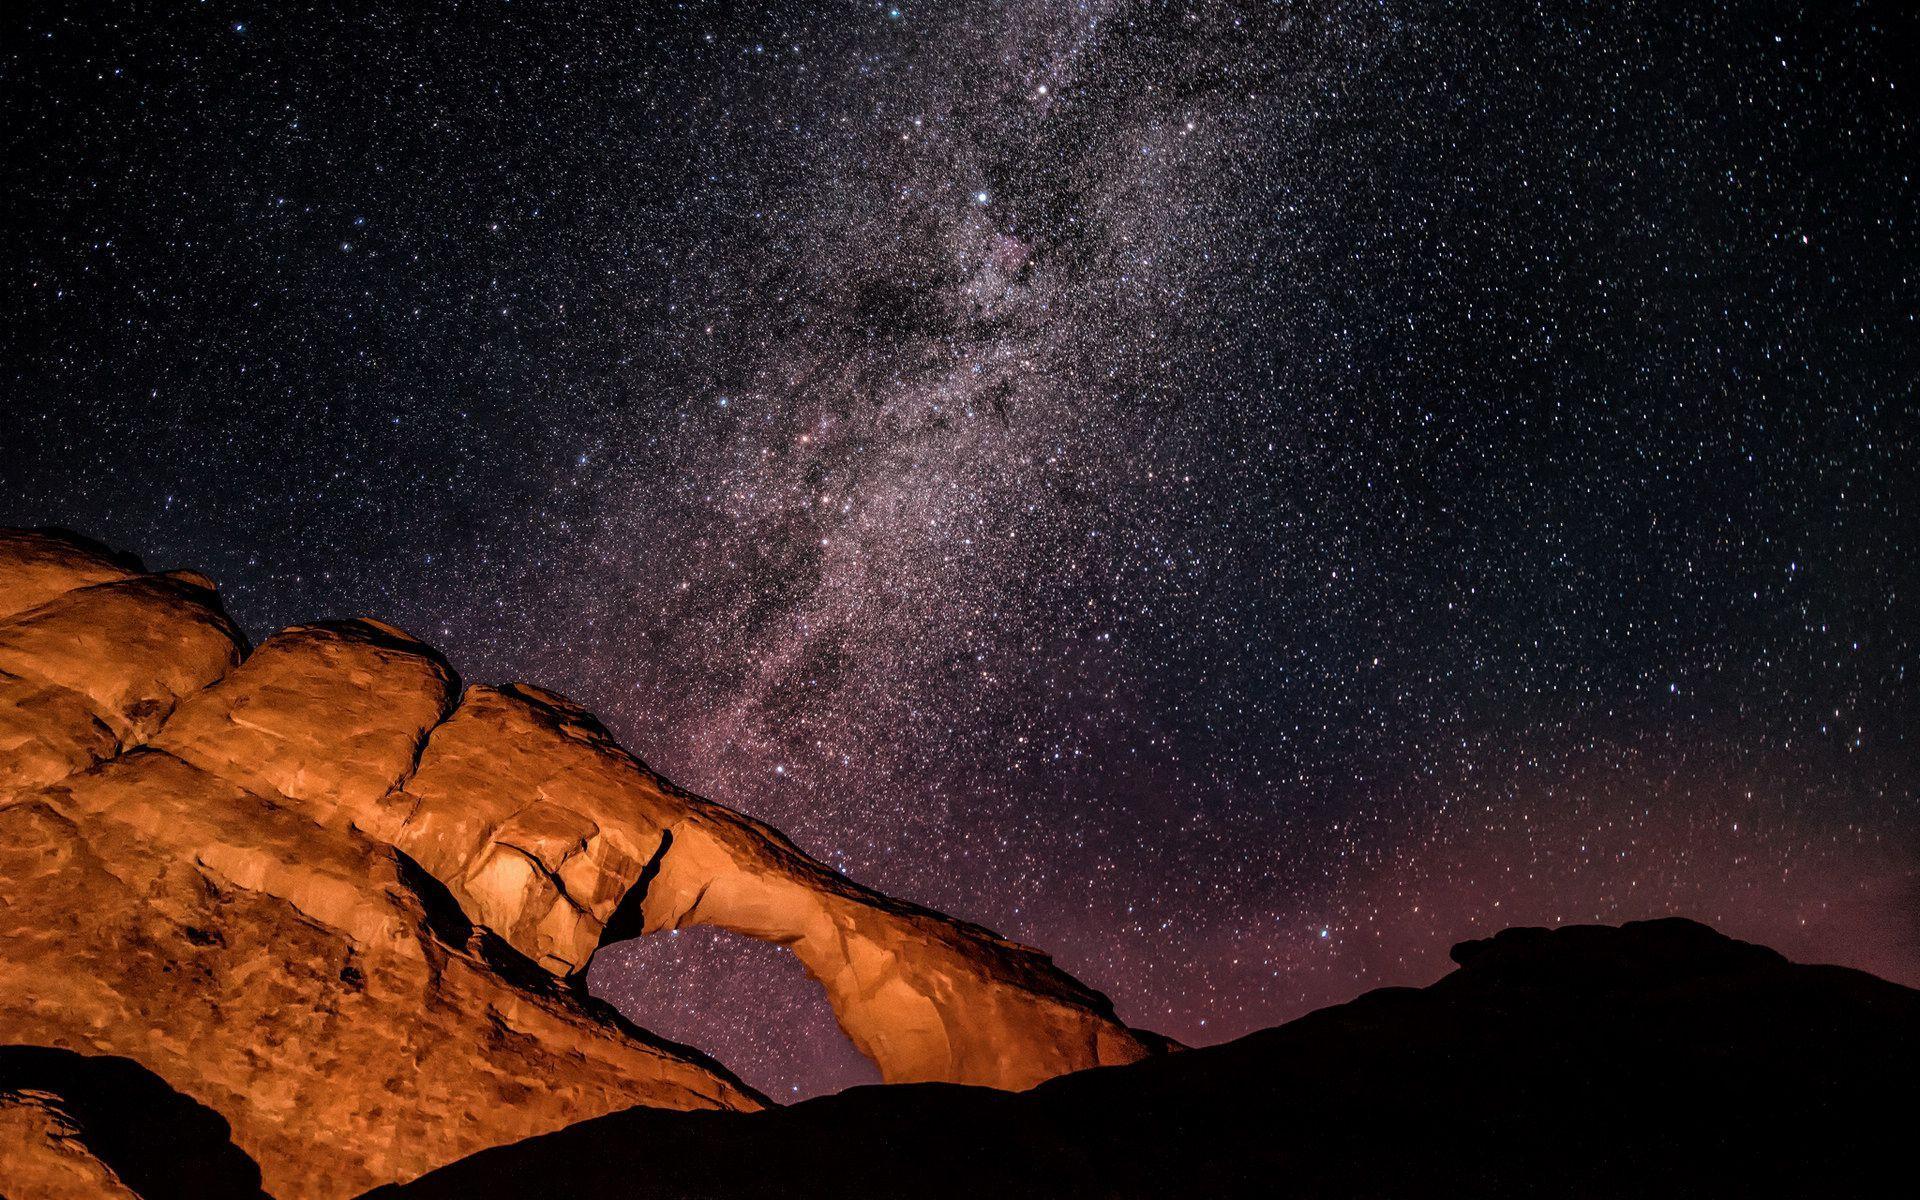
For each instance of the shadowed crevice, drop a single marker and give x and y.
(162, 1144)
(629, 917)
(445, 918)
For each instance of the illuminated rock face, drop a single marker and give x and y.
(182, 889)
(325, 894)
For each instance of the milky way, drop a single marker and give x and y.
(1239, 496)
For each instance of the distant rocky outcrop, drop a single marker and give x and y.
(1658, 1059)
(349, 907)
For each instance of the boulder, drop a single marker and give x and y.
(46, 1155)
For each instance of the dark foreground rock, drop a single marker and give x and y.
(1654, 1059)
(79, 1127)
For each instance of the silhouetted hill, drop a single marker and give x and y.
(1655, 1059)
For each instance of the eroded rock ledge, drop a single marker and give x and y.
(347, 906)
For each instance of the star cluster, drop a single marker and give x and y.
(1239, 495)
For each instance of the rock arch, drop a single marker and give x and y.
(551, 834)
(542, 829)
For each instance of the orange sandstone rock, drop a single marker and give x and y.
(181, 896)
(321, 892)
(94, 1127)
(45, 564)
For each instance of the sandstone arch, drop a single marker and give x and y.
(552, 835)
(327, 838)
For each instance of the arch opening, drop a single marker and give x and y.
(749, 1003)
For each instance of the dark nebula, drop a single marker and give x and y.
(1240, 496)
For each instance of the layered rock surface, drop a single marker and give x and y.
(323, 893)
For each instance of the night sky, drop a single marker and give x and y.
(1239, 496)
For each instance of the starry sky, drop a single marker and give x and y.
(1241, 496)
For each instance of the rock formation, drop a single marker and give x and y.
(320, 891)
(541, 825)
(1658, 1059)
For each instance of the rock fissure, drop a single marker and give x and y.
(550, 873)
